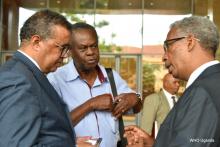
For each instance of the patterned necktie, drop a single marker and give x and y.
(174, 100)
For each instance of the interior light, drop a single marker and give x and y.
(42, 3)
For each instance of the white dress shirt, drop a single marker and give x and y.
(199, 70)
(75, 91)
(169, 99)
(30, 58)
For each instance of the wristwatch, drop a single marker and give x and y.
(139, 97)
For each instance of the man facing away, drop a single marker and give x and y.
(190, 49)
(157, 105)
(84, 86)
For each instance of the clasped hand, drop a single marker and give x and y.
(118, 105)
(137, 137)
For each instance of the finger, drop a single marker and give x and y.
(118, 104)
(83, 138)
(118, 97)
(129, 128)
(119, 108)
(118, 113)
(130, 139)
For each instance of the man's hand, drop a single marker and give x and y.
(123, 103)
(81, 141)
(135, 135)
(102, 102)
(140, 143)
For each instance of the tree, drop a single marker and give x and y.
(149, 78)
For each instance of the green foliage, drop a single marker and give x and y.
(118, 48)
(149, 78)
(102, 24)
(103, 46)
(74, 18)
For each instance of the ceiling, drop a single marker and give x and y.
(112, 6)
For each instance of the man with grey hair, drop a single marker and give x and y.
(194, 121)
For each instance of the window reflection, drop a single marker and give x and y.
(126, 30)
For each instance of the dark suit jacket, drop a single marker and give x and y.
(31, 112)
(195, 119)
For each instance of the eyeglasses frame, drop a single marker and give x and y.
(64, 49)
(168, 42)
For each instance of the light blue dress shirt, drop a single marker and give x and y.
(75, 92)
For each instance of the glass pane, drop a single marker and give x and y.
(128, 71)
(119, 24)
(154, 35)
(108, 61)
(83, 11)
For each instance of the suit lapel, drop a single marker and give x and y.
(164, 100)
(210, 70)
(41, 78)
(45, 84)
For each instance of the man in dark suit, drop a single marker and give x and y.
(31, 112)
(194, 121)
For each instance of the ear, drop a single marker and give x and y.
(35, 42)
(191, 40)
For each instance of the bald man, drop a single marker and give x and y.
(157, 105)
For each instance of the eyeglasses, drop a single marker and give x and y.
(63, 48)
(167, 43)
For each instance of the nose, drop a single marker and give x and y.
(90, 51)
(164, 57)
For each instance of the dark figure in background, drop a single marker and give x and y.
(84, 86)
(31, 112)
(190, 49)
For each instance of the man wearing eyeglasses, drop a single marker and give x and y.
(194, 121)
(31, 112)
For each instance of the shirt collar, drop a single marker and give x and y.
(73, 74)
(167, 94)
(198, 71)
(168, 97)
(30, 58)
(100, 74)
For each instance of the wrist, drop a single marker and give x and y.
(91, 104)
(138, 98)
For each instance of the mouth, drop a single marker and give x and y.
(91, 61)
(168, 66)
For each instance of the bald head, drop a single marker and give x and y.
(170, 84)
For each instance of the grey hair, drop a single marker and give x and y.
(42, 23)
(202, 28)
